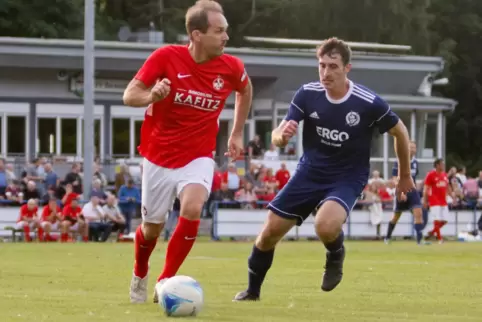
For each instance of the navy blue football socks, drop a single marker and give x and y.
(258, 265)
(418, 231)
(336, 244)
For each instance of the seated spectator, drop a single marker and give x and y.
(31, 191)
(268, 196)
(129, 196)
(224, 194)
(272, 154)
(99, 175)
(270, 180)
(232, 178)
(282, 176)
(98, 192)
(3, 178)
(252, 174)
(51, 217)
(73, 220)
(246, 196)
(471, 192)
(113, 216)
(99, 229)
(14, 193)
(69, 195)
(28, 219)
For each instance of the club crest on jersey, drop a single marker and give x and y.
(352, 118)
(218, 83)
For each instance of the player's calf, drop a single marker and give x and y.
(391, 225)
(328, 226)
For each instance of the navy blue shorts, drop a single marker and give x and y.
(413, 201)
(304, 193)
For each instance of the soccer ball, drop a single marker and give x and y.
(181, 296)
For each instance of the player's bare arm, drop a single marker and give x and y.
(402, 149)
(242, 106)
(137, 94)
(283, 133)
(426, 190)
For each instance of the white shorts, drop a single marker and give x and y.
(440, 213)
(160, 186)
(53, 226)
(21, 224)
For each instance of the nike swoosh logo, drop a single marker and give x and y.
(189, 238)
(180, 76)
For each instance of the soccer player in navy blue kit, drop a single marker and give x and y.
(339, 119)
(408, 202)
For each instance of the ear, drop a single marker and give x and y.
(348, 68)
(196, 35)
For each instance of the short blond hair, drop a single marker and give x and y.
(197, 15)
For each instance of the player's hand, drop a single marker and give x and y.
(405, 184)
(161, 90)
(425, 204)
(235, 146)
(289, 130)
(403, 197)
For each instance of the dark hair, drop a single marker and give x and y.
(333, 46)
(197, 15)
(437, 162)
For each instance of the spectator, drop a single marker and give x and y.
(31, 174)
(13, 193)
(51, 217)
(461, 177)
(51, 178)
(28, 219)
(172, 219)
(255, 148)
(3, 178)
(376, 178)
(129, 196)
(122, 177)
(246, 196)
(270, 180)
(113, 216)
(31, 191)
(98, 191)
(99, 175)
(10, 171)
(374, 201)
(272, 154)
(73, 220)
(74, 178)
(94, 216)
(282, 176)
(50, 195)
(252, 174)
(471, 192)
(232, 179)
(69, 195)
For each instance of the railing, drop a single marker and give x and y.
(230, 220)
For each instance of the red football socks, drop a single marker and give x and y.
(40, 234)
(437, 225)
(143, 250)
(179, 246)
(26, 232)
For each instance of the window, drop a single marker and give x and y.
(137, 134)
(97, 137)
(46, 135)
(16, 134)
(68, 136)
(264, 129)
(120, 137)
(430, 148)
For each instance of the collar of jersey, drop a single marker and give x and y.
(344, 98)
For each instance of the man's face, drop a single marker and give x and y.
(413, 149)
(441, 166)
(216, 36)
(332, 71)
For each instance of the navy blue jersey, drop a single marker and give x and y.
(413, 169)
(337, 134)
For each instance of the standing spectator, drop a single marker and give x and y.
(51, 178)
(282, 176)
(471, 192)
(372, 197)
(98, 174)
(255, 147)
(95, 218)
(129, 196)
(9, 170)
(3, 178)
(122, 177)
(74, 178)
(113, 216)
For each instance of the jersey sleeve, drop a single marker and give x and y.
(383, 116)
(153, 68)
(429, 179)
(296, 111)
(241, 77)
(395, 169)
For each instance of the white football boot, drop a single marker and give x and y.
(138, 289)
(157, 288)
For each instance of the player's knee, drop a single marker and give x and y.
(274, 230)
(151, 231)
(329, 220)
(193, 197)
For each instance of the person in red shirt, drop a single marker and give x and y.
(69, 195)
(187, 87)
(72, 220)
(51, 216)
(28, 219)
(282, 176)
(435, 190)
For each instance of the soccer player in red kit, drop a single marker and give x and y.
(435, 190)
(28, 219)
(187, 87)
(146, 129)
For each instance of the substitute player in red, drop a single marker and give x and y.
(435, 192)
(28, 220)
(187, 87)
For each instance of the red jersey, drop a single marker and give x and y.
(71, 196)
(283, 176)
(217, 181)
(185, 123)
(46, 214)
(438, 183)
(69, 211)
(146, 130)
(27, 213)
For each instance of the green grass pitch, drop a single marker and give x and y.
(397, 282)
